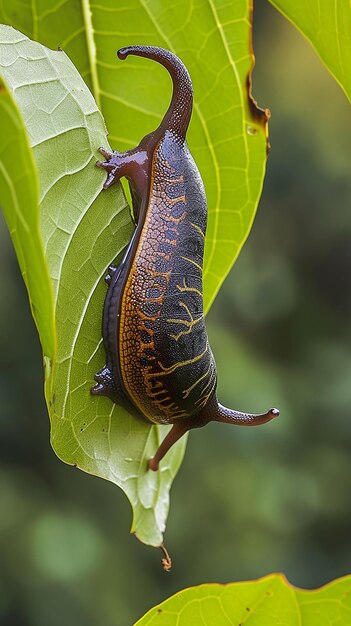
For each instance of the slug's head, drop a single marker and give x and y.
(178, 115)
(122, 53)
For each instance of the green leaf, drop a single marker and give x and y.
(80, 231)
(19, 199)
(228, 139)
(267, 601)
(227, 135)
(327, 25)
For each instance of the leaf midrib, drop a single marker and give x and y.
(92, 59)
(98, 92)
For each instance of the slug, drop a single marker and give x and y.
(159, 364)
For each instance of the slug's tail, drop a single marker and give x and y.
(178, 115)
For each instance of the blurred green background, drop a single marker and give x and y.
(246, 501)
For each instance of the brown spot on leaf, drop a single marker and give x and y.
(259, 116)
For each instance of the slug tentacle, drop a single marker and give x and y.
(178, 115)
(213, 411)
(229, 416)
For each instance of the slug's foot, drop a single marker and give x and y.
(105, 153)
(114, 165)
(112, 269)
(108, 165)
(134, 164)
(105, 384)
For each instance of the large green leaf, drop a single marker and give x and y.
(227, 134)
(270, 601)
(327, 25)
(228, 140)
(81, 232)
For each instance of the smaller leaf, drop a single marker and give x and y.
(327, 25)
(19, 199)
(268, 601)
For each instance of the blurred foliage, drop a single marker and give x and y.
(247, 501)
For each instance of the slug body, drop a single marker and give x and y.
(159, 362)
